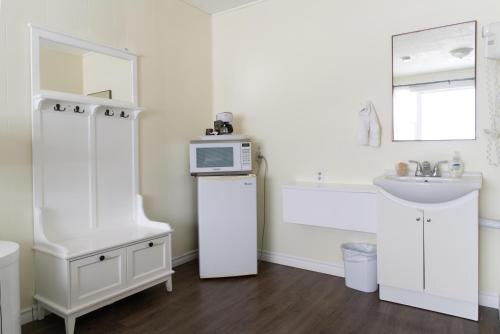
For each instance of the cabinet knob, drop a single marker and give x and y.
(101, 258)
(151, 244)
(418, 219)
(429, 220)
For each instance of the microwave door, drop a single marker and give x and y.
(215, 158)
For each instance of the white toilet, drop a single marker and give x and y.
(10, 317)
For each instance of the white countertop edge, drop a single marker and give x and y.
(445, 173)
(329, 186)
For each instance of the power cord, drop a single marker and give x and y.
(261, 158)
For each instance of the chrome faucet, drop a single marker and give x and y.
(418, 170)
(424, 169)
(436, 171)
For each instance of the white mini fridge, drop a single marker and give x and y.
(227, 225)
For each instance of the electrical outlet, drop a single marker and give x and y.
(258, 152)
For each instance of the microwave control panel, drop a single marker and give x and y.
(246, 156)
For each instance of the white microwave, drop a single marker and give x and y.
(220, 157)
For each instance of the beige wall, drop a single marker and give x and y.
(295, 73)
(61, 71)
(173, 40)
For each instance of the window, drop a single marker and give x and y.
(435, 111)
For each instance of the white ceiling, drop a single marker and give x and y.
(217, 6)
(430, 50)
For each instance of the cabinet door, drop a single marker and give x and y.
(148, 260)
(451, 249)
(97, 276)
(399, 245)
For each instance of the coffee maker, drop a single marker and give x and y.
(222, 124)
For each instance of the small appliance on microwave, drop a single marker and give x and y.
(219, 157)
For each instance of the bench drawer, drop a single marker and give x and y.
(97, 276)
(148, 259)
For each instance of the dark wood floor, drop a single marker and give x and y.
(279, 300)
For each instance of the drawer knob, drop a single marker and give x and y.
(102, 258)
(151, 244)
(418, 219)
(429, 220)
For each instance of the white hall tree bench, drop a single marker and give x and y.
(93, 243)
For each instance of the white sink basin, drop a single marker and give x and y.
(429, 189)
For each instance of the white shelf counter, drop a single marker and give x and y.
(349, 207)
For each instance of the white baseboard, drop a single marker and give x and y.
(26, 316)
(184, 258)
(304, 263)
(489, 300)
(335, 269)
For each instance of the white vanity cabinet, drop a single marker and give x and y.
(400, 251)
(428, 253)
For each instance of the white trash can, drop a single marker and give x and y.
(360, 266)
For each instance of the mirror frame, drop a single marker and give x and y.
(38, 33)
(475, 83)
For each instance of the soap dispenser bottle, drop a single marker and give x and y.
(456, 166)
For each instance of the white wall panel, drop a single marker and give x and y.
(65, 166)
(115, 170)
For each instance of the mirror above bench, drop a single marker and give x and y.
(68, 65)
(434, 79)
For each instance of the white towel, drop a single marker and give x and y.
(364, 126)
(369, 126)
(374, 126)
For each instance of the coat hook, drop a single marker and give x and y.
(57, 107)
(78, 110)
(122, 114)
(109, 113)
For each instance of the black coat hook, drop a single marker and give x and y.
(57, 107)
(78, 110)
(109, 113)
(122, 114)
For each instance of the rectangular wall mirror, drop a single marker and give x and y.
(434, 83)
(69, 65)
